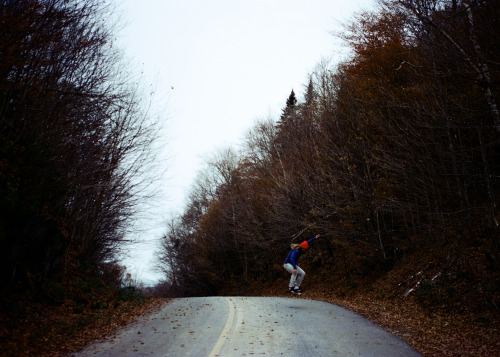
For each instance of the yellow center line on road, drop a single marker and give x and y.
(225, 331)
(239, 320)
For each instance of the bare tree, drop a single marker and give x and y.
(75, 136)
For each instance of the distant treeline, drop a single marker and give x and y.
(73, 139)
(393, 151)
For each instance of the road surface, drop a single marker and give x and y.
(250, 326)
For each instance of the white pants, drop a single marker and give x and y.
(296, 279)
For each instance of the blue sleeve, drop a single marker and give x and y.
(311, 240)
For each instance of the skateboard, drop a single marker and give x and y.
(296, 293)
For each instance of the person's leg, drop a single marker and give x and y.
(299, 277)
(289, 268)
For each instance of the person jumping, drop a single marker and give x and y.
(292, 267)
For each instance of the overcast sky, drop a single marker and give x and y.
(216, 67)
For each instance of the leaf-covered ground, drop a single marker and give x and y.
(30, 328)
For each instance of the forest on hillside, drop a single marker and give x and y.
(393, 155)
(75, 136)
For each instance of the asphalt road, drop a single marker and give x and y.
(251, 326)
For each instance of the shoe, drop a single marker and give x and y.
(293, 291)
(299, 290)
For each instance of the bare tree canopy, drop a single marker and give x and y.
(74, 136)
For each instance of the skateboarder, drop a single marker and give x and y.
(292, 267)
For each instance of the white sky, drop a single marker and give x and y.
(229, 62)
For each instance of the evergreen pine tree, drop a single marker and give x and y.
(290, 108)
(291, 102)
